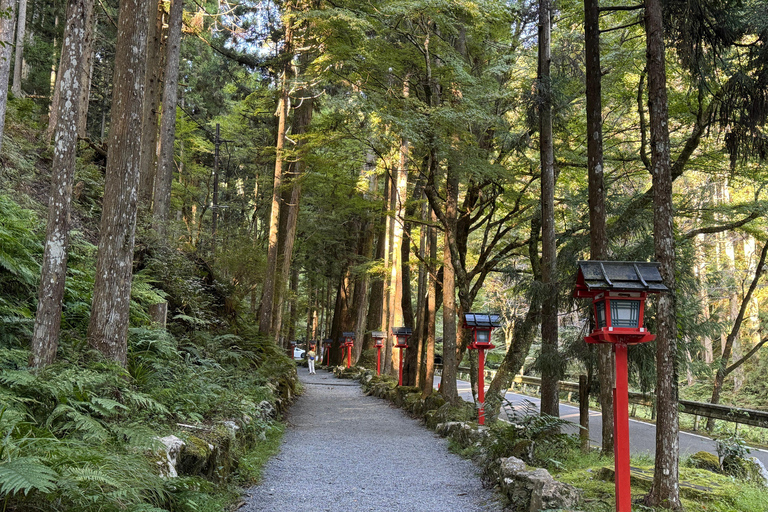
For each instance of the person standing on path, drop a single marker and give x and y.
(311, 355)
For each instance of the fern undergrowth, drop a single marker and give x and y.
(83, 434)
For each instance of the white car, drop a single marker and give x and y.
(298, 353)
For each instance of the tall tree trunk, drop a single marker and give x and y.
(376, 295)
(665, 489)
(293, 316)
(448, 386)
(396, 284)
(165, 162)
(6, 38)
(411, 363)
(703, 298)
(86, 75)
(428, 361)
(550, 363)
(54, 268)
(108, 326)
(152, 88)
(21, 26)
(301, 119)
(597, 233)
(361, 294)
(268, 292)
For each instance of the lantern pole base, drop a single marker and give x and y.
(621, 430)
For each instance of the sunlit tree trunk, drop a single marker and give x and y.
(54, 268)
(108, 326)
(268, 292)
(665, 490)
(301, 119)
(723, 370)
(396, 284)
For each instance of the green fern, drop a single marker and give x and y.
(146, 402)
(26, 474)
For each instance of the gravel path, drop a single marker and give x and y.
(344, 451)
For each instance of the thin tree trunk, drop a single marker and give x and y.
(21, 26)
(6, 38)
(428, 363)
(54, 268)
(411, 363)
(293, 316)
(665, 489)
(108, 326)
(165, 162)
(550, 363)
(524, 333)
(152, 89)
(86, 73)
(597, 231)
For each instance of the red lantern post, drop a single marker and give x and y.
(618, 290)
(402, 334)
(327, 351)
(482, 325)
(291, 349)
(349, 341)
(378, 339)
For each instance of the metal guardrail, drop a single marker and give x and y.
(751, 417)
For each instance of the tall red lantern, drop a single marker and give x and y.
(327, 351)
(378, 340)
(349, 341)
(402, 334)
(482, 325)
(618, 290)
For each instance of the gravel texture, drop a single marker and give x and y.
(344, 451)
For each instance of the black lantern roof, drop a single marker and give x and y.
(640, 276)
(328, 341)
(378, 334)
(402, 331)
(481, 320)
(348, 335)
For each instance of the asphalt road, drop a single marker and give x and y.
(642, 435)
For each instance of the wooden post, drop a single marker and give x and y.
(584, 413)
(159, 314)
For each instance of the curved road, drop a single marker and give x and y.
(642, 435)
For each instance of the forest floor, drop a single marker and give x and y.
(344, 451)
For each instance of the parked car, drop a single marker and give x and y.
(298, 353)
